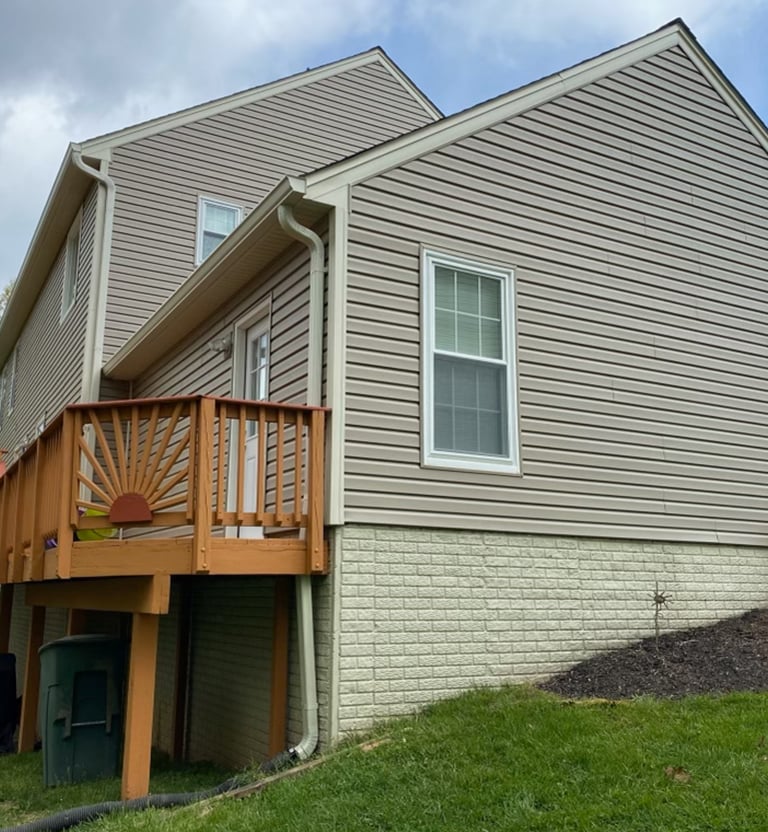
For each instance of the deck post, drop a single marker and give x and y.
(76, 622)
(31, 695)
(140, 706)
(201, 546)
(6, 608)
(278, 705)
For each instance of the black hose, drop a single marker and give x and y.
(82, 814)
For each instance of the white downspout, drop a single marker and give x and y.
(304, 614)
(97, 304)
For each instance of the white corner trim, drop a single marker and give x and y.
(337, 355)
(433, 136)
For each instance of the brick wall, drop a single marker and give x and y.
(426, 613)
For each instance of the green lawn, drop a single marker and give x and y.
(519, 760)
(23, 797)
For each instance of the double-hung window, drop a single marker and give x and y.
(71, 267)
(469, 412)
(216, 220)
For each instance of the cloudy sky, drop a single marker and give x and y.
(72, 69)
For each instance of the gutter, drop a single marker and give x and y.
(305, 617)
(97, 301)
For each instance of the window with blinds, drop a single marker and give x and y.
(216, 220)
(469, 412)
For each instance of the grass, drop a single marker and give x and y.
(23, 797)
(518, 759)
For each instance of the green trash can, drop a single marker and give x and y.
(81, 708)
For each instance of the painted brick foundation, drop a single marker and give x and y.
(425, 614)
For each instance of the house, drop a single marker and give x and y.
(532, 334)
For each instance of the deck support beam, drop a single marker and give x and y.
(31, 695)
(140, 706)
(76, 622)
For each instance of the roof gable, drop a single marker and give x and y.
(100, 146)
(398, 151)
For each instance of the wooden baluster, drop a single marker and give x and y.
(37, 546)
(191, 473)
(221, 458)
(17, 555)
(261, 467)
(298, 464)
(201, 538)
(241, 440)
(279, 466)
(315, 497)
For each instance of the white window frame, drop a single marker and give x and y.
(71, 267)
(463, 460)
(202, 201)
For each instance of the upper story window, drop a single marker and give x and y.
(71, 265)
(215, 221)
(469, 408)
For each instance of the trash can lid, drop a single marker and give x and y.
(78, 640)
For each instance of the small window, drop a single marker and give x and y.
(71, 264)
(469, 410)
(216, 220)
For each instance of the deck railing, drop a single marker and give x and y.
(193, 466)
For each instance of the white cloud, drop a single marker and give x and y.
(509, 23)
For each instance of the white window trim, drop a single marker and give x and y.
(69, 284)
(211, 200)
(431, 458)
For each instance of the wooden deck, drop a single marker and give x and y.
(166, 486)
(114, 498)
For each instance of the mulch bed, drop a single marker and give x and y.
(731, 655)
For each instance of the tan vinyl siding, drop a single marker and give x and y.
(237, 156)
(635, 214)
(193, 368)
(50, 351)
(230, 664)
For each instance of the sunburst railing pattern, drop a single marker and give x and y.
(139, 468)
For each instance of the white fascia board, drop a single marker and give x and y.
(411, 88)
(26, 288)
(398, 151)
(103, 144)
(724, 88)
(291, 188)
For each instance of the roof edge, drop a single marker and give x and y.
(134, 356)
(431, 137)
(727, 91)
(104, 143)
(25, 291)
